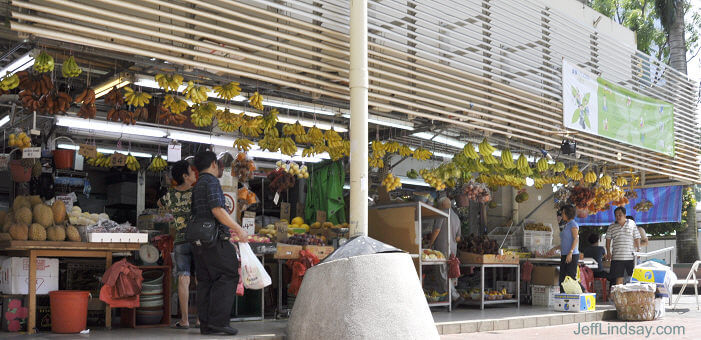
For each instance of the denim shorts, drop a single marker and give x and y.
(183, 259)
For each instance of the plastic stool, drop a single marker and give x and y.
(604, 287)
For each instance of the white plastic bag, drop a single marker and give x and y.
(252, 271)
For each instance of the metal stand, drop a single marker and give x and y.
(482, 267)
(262, 301)
(280, 312)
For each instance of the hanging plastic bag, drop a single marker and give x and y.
(571, 286)
(252, 271)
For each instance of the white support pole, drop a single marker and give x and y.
(359, 85)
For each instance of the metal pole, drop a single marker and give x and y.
(359, 84)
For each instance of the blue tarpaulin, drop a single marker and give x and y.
(667, 207)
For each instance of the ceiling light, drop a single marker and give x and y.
(389, 122)
(22, 63)
(100, 125)
(106, 87)
(440, 139)
(4, 120)
(411, 181)
(111, 151)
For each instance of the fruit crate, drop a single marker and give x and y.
(544, 295)
(513, 239)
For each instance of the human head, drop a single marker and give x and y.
(444, 203)
(568, 212)
(620, 214)
(182, 172)
(594, 238)
(207, 161)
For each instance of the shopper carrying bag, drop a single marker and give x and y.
(252, 271)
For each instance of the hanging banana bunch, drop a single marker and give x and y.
(270, 119)
(606, 182)
(621, 181)
(405, 151)
(70, 69)
(507, 159)
(243, 144)
(422, 154)
(558, 167)
(252, 127)
(196, 93)
(590, 177)
(203, 114)
(158, 164)
(169, 82)
(175, 105)
(574, 173)
(469, 151)
(132, 163)
(228, 91)
(138, 99)
(378, 149)
(256, 100)
(485, 148)
(288, 147)
(542, 165)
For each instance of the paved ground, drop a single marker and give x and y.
(685, 323)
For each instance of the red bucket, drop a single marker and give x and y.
(69, 310)
(20, 174)
(63, 159)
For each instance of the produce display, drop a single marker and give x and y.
(228, 91)
(43, 63)
(252, 239)
(268, 231)
(435, 296)
(478, 245)
(21, 140)
(280, 180)
(537, 227)
(158, 164)
(477, 192)
(391, 183)
(294, 169)
(138, 99)
(132, 163)
(432, 255)
(169, 82)
(305, 240)
(31, 219)
(246, 196)
(9, 82)
(87, 108)
(196, 93)
(256, 100)
(243, 168)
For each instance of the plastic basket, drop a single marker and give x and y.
(537, 240)
(544, 295)
(513, 240)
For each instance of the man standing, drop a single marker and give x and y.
(216, 265)
(625, 238)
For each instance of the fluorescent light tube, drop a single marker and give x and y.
(22, 63)
(107, 86)
(389, 122)
(111, 151)
(411, 181)
(4, 120)
(100, 125)
(297, 107)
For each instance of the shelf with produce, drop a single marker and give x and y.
(439, 304)
(487, 302)
(434, 263)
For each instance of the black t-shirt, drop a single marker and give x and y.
(597, 253)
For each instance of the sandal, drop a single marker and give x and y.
(179, 326)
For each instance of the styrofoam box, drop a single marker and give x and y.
(118, 237)
(575, 302)
(14, 275)
(544, 295)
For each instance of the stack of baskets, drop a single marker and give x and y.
(150, 311)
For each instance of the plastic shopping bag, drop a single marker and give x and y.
(571, 286)
(252, 271)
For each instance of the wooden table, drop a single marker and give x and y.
(34, 249)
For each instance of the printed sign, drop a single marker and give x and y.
(174, 152)
(281, 228)
(31, 152)
(602, 108)
(249, 225)
(321, 216)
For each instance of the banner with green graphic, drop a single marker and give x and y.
(597, 106)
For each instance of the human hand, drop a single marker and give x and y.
(569, 258)
(242, 234)
(607, 257)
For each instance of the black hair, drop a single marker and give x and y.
(569, 210)
(594, 238)
(621, 209)
(204, 159)
(180, 169)
(630, 218)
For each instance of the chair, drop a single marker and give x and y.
(690, 280)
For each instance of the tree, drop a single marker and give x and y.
(643, 17)
(671, 14)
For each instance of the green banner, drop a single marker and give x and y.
(600, 107)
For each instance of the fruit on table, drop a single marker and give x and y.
(19, 231)
(56, 233)
(37, 232)
(297, 220)
(72, 234)
(43, 214)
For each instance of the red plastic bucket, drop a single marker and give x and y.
(69, 310)
(63, 159)
(19, 173)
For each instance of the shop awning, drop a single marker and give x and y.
(667, 207)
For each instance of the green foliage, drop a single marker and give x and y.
(642, 17)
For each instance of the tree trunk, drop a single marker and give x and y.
(687, 238)
(677, 40)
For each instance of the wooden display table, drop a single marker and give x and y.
(34, 249)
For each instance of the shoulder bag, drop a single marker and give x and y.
(202, 231)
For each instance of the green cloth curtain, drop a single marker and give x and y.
(325, 192)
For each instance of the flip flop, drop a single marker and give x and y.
(179, 326)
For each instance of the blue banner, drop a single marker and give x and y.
(667, 207)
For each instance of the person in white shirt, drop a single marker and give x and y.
(622, 239)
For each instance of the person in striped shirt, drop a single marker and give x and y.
(622, 239)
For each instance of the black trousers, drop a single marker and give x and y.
(568, 269)
(217, 276)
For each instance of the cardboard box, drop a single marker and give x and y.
(320, 251)
(544, 295)
(14, 313)
(287, 251)
(14, 275)
(575, 302)
(471, 258)
(660, 277)
(545, 276)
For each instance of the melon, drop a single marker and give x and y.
(72, 233)
(59, 211)
(37, 232)
(56, 233)
(43, 215)
(23, 215)
(19, 231)
(34, 200)
(21, 202)
(8, 222)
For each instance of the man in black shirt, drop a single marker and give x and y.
(596, 252)
(216, 265)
